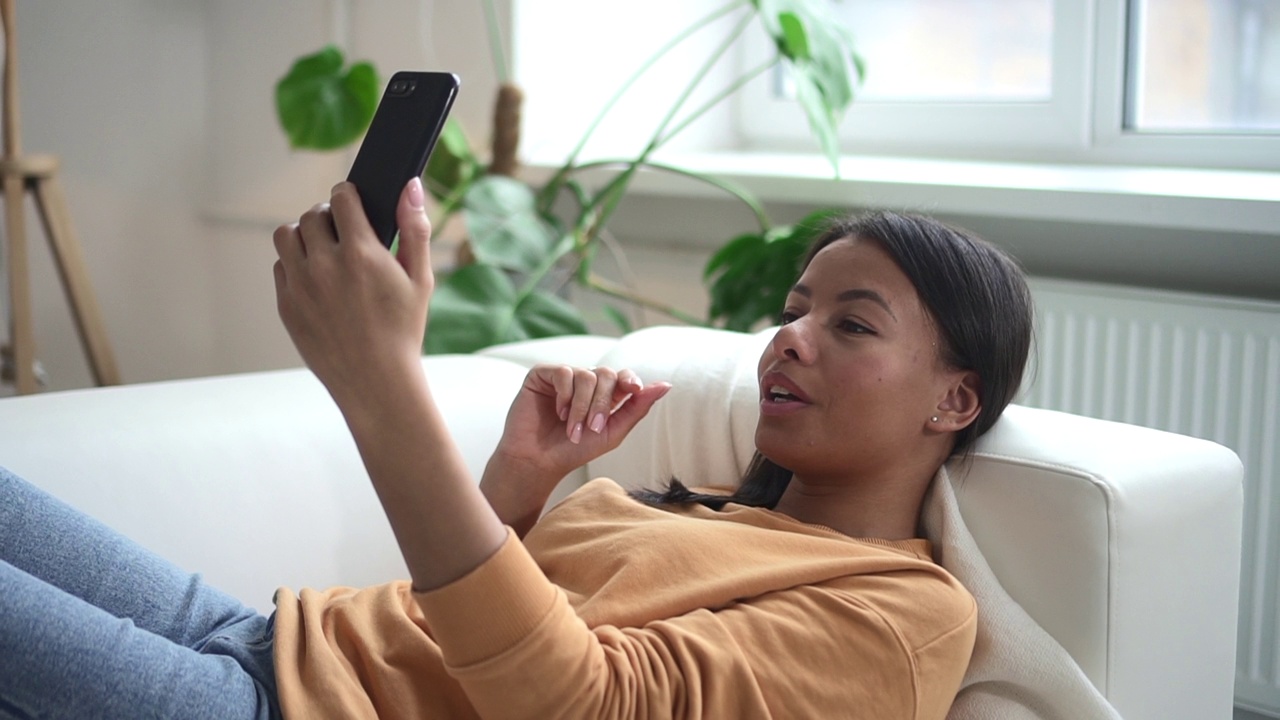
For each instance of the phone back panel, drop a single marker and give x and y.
(400, 138)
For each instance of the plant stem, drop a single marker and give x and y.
(579, 194)
(629, 278)
(451, 203)
(562, 247)
(741, 193)
(697, 80)
(500, 66)
(608, 198)
(746, 77)
(553, 186)
(612, 289)
(667, 47)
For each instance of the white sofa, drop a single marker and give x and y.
(1122, 542)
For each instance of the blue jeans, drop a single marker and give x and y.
(94, 626)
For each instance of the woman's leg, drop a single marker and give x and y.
(45, 539)
(61, 657)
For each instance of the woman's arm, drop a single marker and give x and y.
(357, 315)
(879, 646)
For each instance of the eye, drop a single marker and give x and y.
(855, 328)
(788, 317)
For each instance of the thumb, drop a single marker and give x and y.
(414, 251)
(625, 418)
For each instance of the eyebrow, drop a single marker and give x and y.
(849, 295)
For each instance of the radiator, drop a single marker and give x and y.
(1196, 365)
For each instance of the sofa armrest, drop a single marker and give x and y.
(1124, 543)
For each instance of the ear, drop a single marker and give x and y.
(961, 403)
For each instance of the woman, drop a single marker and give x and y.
(900, 344)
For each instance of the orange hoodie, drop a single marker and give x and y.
(614, 609)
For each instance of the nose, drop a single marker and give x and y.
(792, 342)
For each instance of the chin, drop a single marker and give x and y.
(777, 449)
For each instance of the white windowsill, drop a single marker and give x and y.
(1185, 198)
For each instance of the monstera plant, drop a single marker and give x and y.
(526, 242)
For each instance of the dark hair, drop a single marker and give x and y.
(978, 299)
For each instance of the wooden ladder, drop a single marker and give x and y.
(37, 174)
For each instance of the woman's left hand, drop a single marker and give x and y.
(566, 416)
(355, 312)
(562, 418)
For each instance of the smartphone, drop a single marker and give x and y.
(395, 149)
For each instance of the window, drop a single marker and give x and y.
(1204, 66)
(951, 50)
(1152, 82)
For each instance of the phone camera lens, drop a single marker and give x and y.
(401, 87)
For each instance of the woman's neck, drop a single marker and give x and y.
(882, 509)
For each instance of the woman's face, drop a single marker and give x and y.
(850, 381)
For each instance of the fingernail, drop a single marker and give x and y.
(575, 435)
(563, 413)
(597, 423)
(416, 197)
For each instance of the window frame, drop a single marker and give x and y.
(1083, 121)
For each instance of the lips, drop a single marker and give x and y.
(779, 391)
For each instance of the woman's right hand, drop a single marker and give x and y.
(562, 418)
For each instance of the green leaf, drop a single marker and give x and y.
(321, 106)
(505, 227)
(826, 69)
(754, 287)
(468, 309)
(751, 275)
(795, 41)
(825, 85)
(477, 306)
(824, 122)
(859, 66)
(832, 65)
(452, 164)
(541, 314)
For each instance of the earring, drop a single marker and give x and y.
(933, 419)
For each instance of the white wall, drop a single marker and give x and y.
(117, 92)
(176, 171)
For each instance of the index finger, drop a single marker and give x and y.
(348, 215)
